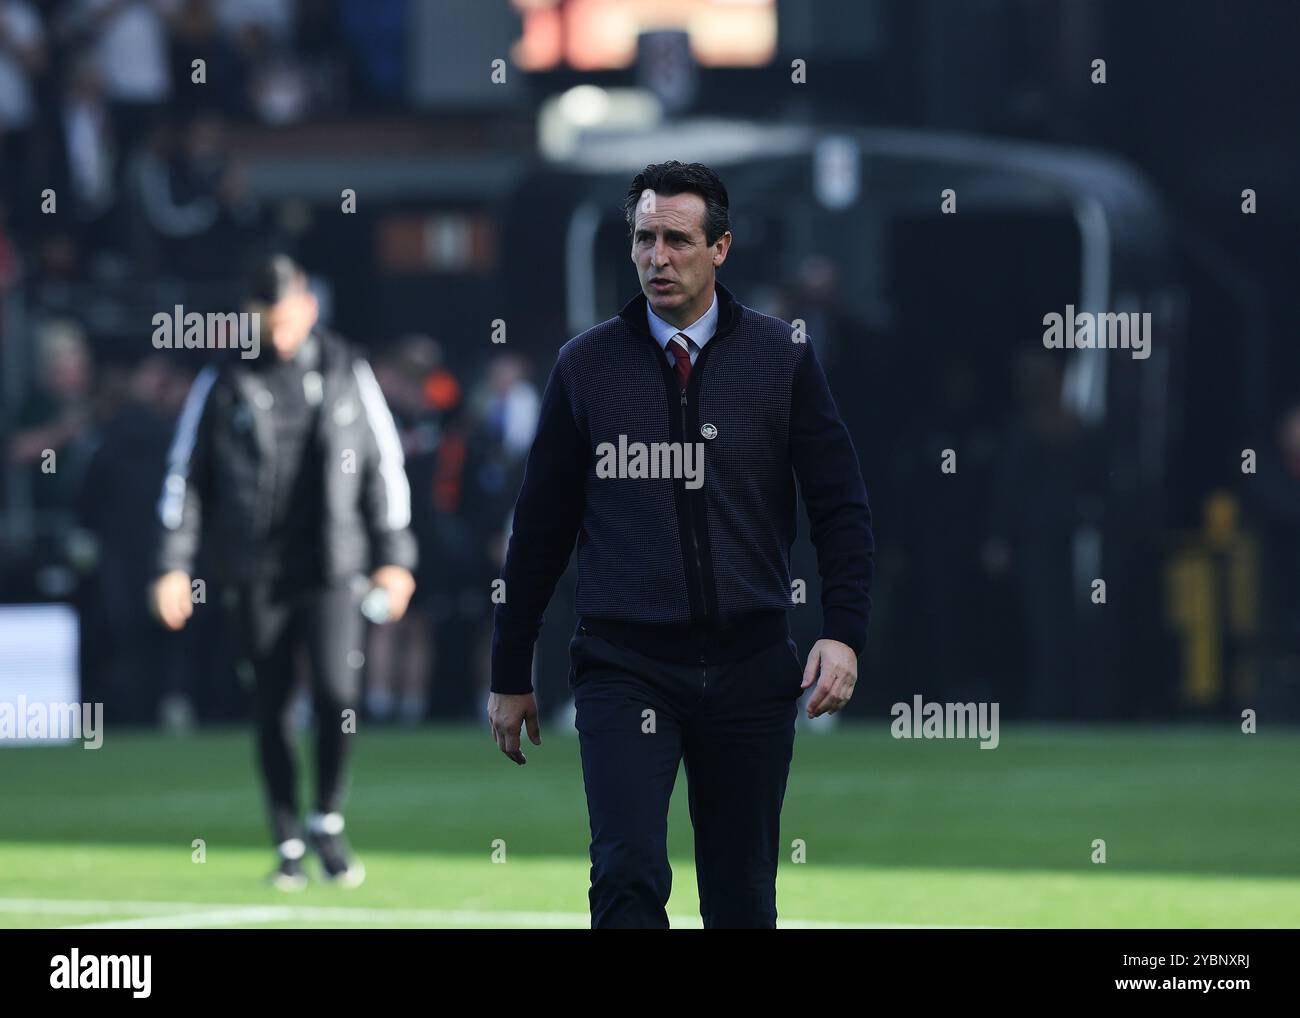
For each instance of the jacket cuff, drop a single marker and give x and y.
(512, 655)
(512, 672)
(846, 626)
(170, 559)
(394, 548)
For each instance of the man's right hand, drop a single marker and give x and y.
(170, 599)
(506, 713)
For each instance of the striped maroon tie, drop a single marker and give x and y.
(679, 347)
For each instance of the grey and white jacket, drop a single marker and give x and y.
(219, 482)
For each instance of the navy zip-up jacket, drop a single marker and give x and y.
(677, 571)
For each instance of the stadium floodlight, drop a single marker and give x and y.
(583, 109)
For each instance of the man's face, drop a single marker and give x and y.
(674, 262)
(289, 320)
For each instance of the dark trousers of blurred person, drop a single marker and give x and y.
(638, 719)
(272, 623)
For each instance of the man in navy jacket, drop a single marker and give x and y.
(668, 446)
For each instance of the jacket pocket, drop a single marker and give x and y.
(577, 646)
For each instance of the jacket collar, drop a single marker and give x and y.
(316, 353)
(699, 332)
(729, 311)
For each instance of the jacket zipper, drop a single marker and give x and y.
(690, 513)
(690, 510)
(263, 442)
(695, 548)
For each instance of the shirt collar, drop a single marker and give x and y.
(700, 332)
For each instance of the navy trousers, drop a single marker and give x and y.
(733, 724)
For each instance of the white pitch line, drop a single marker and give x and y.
(233, 916)
(192, 915)
(61, 906)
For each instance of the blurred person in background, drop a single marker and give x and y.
(274, 19)
(1047, 470)
(814, 298)
(854, 358)
(129, 42)
(401, 658)
(290, 466)
(941, 528)
(507, 407)
(129, 669)
(457, 605)
(279, 87)
(22, 58)
(1272, 500)
(11, 265)
(84, 153)
(53, 435)
(196, 35)
(195, 214)
(376, 34)
(504, 409)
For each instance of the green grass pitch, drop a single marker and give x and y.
(1202, 829)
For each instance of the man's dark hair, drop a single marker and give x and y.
(274, 278)
(672, 178)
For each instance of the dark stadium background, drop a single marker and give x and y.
(461, 220)
(480, 202)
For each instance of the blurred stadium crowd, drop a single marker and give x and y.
(145, 187)
(89, 109)
(127, 186)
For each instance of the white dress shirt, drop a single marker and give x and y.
(699, 332)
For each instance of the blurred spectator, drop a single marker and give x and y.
(52, 437)
(22, 56)
(130, 44)
(84, 154)
(504, 410)
(197, 35)
(1045, 477)
(10, 264)
(401, 654)
(130, 668)
(328, 50)
(853, 356)
(939, 526)
(508, 405)
(193, 203)
(815, 299)
(1273, 500)
(22, 51)
(277, 85)
(376, 32)
(271, 18)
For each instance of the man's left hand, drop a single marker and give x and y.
(400, 585)
(839, 673)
